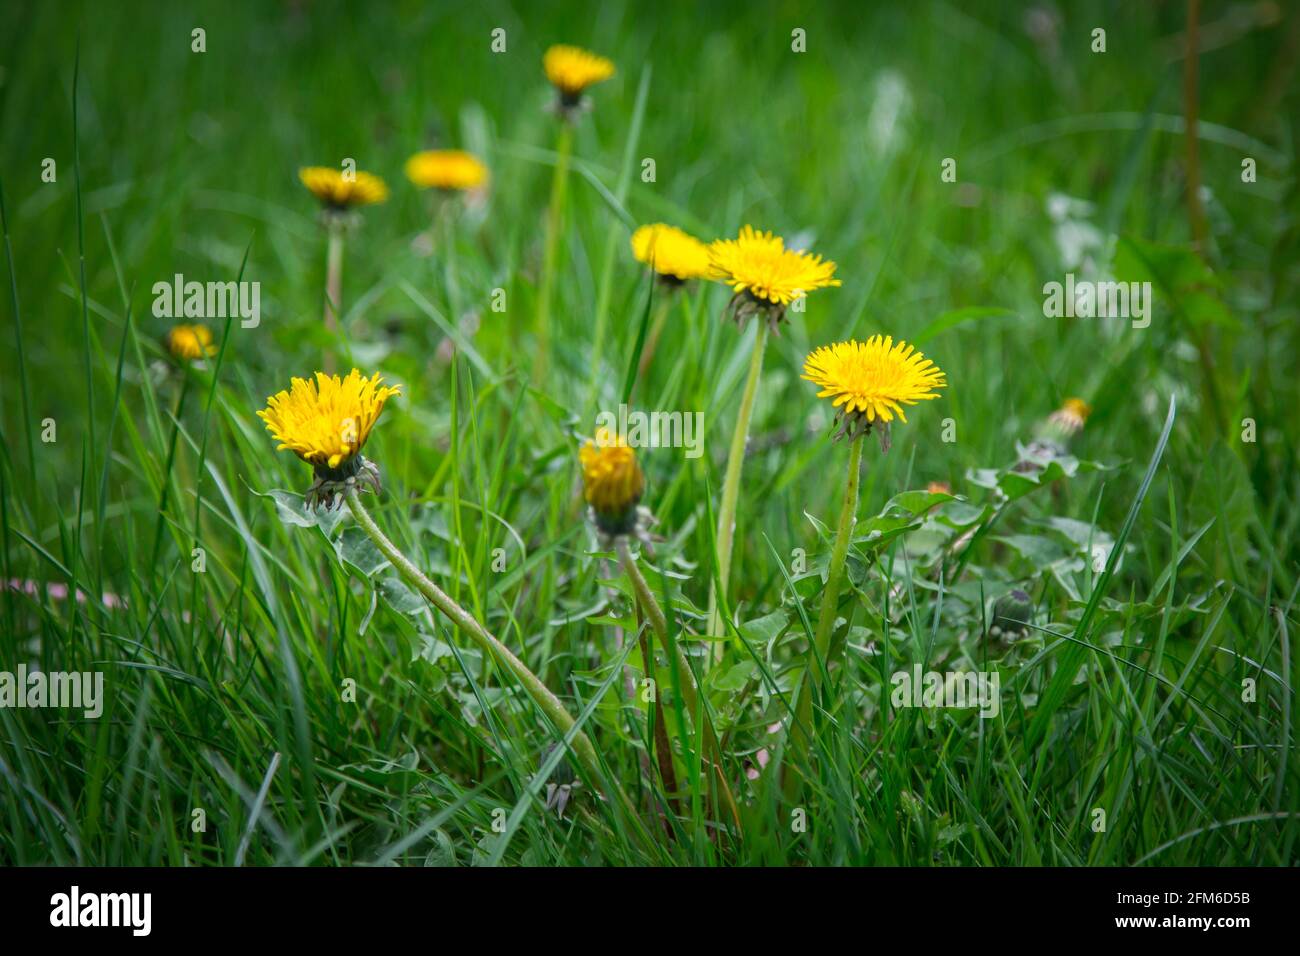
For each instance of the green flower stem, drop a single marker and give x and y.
(602, 312)
(444, 252)
(839, 555)
(539, 692)
(554, 219)
(731, 486)
(819, 653)
(171, 461)
(333, 286)
(657, 324)
(659, 624)
(690, 697)
(643, 593)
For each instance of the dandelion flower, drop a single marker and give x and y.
(326, 423)
(675, 255)
(765, 275)
(572, 69)
(612, 482)
(870, 382)
(1071, 416)
(187, 343)
(447, 169)
(338, 192)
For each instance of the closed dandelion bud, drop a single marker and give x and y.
(1054, 434)
(612, 483)
(1011, 616)
(559, 789)
(1071, 416)
(326, 422)
(563, 775)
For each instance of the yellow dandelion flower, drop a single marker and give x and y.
(326, 421)
(870, 382)
(190, 342)
(1071, 416)
(612, 481)
(674, 254)
(336, 191)
(572, 69)
(449, 169)
(759, 267)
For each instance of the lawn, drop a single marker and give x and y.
(1053, 628)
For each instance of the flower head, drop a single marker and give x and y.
(1071, 416)
(1053, 434)
(572, 69)
(326, 423)
(447, 169)
(189, 342)
(612, 482)
(674, 254)
(765, 274)
(1013, 613)
(870, 382)
(337, 191)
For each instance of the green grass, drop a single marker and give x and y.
(225, 689)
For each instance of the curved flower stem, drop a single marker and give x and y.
(643, 593)
(554, 220)
(819, 653)
(333, 286)
(539, 692)
(659, 623)
(731, 486)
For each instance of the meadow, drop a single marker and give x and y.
(1096, 519)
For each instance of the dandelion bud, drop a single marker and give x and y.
(1011, 615)
(612, 482)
